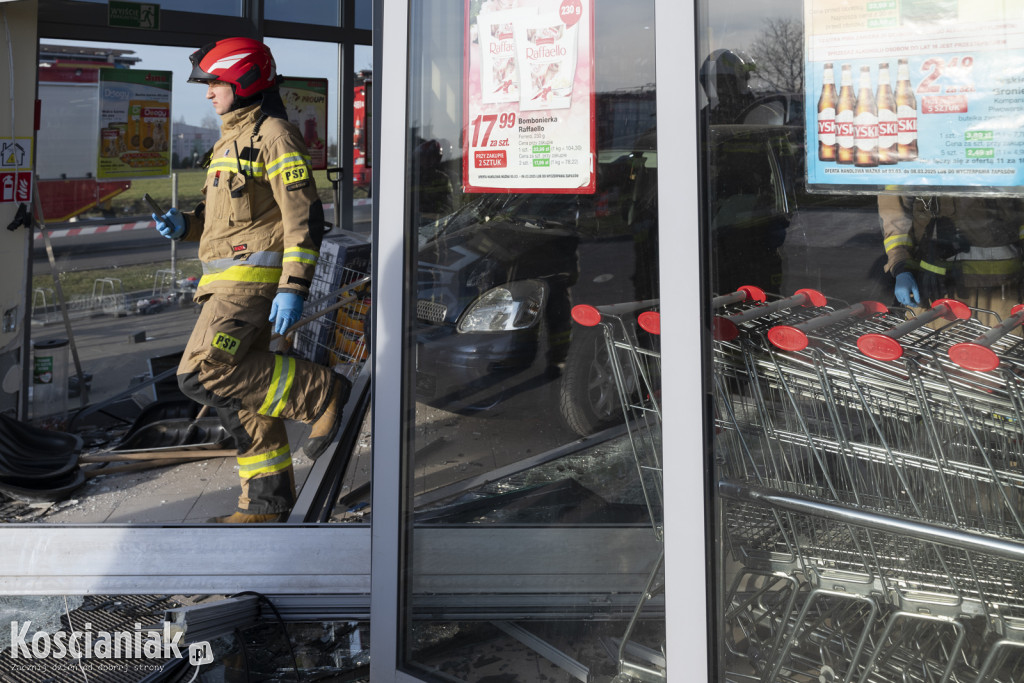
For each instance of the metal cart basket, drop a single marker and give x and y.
(871, 468)
(631, 333)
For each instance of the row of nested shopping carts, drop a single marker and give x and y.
(871, 472)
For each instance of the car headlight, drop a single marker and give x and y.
(512, 306)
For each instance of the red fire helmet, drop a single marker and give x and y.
(245, 63)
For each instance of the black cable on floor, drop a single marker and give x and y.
(245, 653)
(284, 631)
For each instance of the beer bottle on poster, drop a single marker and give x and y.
(844, 117)
(827, 116)
(906, 113)
(888, 125)
(865, 123)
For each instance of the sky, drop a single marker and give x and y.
(294, 58)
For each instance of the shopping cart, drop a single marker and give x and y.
(841, 435)
(631, 333)
(335, 325)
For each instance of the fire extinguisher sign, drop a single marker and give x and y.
(913, 94)
(15, 170)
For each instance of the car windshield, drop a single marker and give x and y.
(478, 210)
(526, 210)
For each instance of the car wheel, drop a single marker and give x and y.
(589, 400)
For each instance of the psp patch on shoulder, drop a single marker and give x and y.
(225, 342)
(297, 186)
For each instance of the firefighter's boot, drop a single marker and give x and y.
(326, 426)
(249, 518)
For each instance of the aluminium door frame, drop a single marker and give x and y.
(686, 509)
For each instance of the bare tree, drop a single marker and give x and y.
(210, 121)
(779, 55)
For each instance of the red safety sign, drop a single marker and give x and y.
(15, 186)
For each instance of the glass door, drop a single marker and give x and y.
(529, 436)
(533, 192)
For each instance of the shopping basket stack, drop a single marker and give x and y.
(335, 328)
(631, 333)
(871, 474)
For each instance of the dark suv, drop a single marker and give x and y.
(498, 276)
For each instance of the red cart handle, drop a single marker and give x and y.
(726, 328)
(744, 293)
(976, 354)
(588, 315)
(794, 337)
(650, 321)
(884, 345)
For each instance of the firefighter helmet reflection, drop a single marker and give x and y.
(725, 75)
(243, 62)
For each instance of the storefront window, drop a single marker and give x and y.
(319, 13)
(364, 14)
(862, 225)
(532, 189)
(230, 8)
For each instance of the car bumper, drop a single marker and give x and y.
(450, 367)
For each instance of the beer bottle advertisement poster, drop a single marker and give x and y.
(912, 93)
(528, 121)
(135, 124)
(305, 100)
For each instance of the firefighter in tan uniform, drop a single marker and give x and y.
(964, 248)
(259, 231)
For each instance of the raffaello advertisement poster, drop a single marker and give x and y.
(529, 97)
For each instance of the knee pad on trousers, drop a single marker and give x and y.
(226, 410)
(190, 386)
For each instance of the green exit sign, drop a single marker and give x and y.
(133, 14)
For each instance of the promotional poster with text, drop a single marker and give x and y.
(913, 93)
(529, 110)
(305, 100)
(135, 124)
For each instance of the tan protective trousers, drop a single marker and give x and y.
(227, 364)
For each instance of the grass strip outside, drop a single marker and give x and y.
(115, 280)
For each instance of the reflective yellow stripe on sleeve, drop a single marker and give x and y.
(280, 386)
(300, 255)
(938, 270)
(898, 241)
(264, 463)
(287, 162)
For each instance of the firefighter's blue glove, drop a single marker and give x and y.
(285, 311)
(171, 225)
(906, 290)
